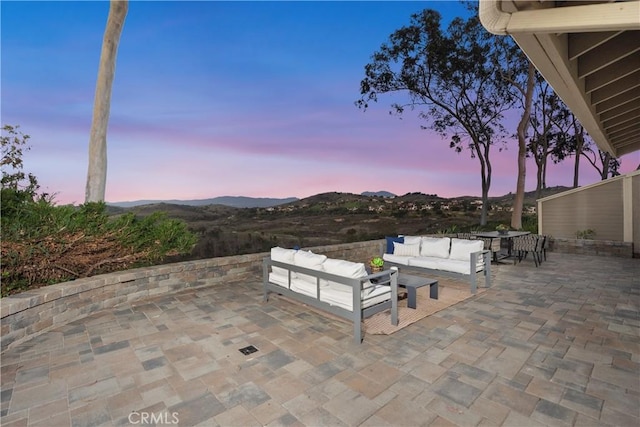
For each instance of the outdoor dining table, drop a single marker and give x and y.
(506, 242)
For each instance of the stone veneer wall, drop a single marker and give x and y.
(31, 313)
(592, 247)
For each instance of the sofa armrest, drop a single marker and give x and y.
(388, 278)
(479, 256)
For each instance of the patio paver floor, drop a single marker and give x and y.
(557, 345)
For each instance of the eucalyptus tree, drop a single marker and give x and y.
(558, 135)
(551, 123)
(602, 161)
(519, 72)
(97, 168)
(579, 144)
(449, 77)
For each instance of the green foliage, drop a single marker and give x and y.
(18, 188)
(43, 243)
(377, 262)
(156, 235)
(50, 244)
(13, 144)
(585, 234)
(530, 223)
(453, 229)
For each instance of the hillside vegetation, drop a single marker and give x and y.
(330, 218)
(43, 243)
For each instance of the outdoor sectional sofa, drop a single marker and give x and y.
(342, 288)
(440, 255)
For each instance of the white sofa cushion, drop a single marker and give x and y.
(412, 240)
(352, 270)
(454, 266)
(285, 256)
(305, 287)
(461, 248)
(435, 247)
(424, 262)
(380, 293)
(308, 259)
(344, 268)
(404, 260)
(403, 249)
(280, 279)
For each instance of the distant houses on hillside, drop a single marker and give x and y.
(381, 205)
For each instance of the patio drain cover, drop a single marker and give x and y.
(248, 350)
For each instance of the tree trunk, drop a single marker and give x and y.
(605, 166)
(576, 170)
(543, 177)
(576, 166)
(485, 176)
(539, 182)
(97, 169)
(485, 204)
(518, 201)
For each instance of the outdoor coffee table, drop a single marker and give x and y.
(412, 283)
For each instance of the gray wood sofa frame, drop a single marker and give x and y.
(387, 277)
(472, 277)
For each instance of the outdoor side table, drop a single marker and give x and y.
(412, 283)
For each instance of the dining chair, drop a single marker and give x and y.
(522, 245)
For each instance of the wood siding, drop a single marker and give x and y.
(611, 208)
(599, 208)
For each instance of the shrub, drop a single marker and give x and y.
(530, 223)
(585, 234)
(61, 243)
(44, 244)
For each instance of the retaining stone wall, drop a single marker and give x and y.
(592, 247)
(31, 313)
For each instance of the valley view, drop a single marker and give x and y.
(330, 218)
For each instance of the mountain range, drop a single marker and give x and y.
(233, 201)
(265, 202)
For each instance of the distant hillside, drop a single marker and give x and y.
(233, 201)
(329, 218)
(378, 194)
(330, 197)
(529, 196)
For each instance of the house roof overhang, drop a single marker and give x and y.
(589, 52)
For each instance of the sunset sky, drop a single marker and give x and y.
(230, 99)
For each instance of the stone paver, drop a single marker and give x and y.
(557, 345)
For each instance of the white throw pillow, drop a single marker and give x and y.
(285, 256)
(308, 259)
(437, 247)
(402, 249)
(461, 249)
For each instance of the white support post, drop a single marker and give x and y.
(627, 209)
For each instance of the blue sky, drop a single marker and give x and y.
(229, 98)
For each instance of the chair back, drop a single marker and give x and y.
(527, 243)
(488, 242)
(467, 236)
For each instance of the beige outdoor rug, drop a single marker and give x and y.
(450, 292)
